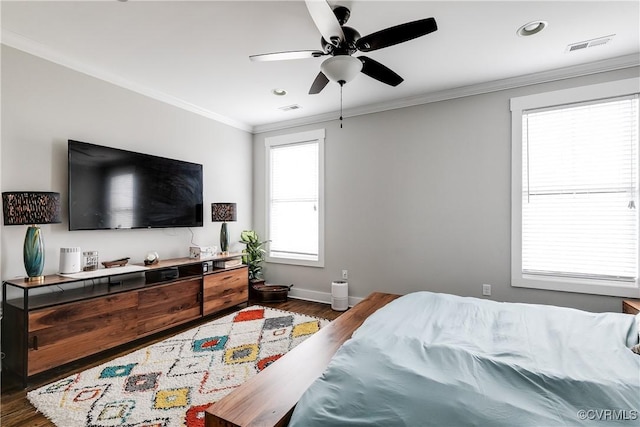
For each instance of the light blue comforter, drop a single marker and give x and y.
(442, 360)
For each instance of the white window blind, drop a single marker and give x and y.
(579, 188)
(294, 204)
(121, 200)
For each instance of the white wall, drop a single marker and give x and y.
(44, 105)
(416, 198)
(419, 199)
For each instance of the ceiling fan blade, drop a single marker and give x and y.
(376, 70)
(398, 34)
(326, 21)
(293, 54)
(318, 84)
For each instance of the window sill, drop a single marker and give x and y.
(593, 287)
(295, 261)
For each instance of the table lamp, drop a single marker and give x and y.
(33, 208)
(223, 212)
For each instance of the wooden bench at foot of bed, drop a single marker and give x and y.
(268, 399)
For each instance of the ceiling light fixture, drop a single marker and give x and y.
(531, 28)
(341, 69)
(279, 92)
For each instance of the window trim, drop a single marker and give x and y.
(553, 99)
(289, 139)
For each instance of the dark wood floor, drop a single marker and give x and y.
(17, 411)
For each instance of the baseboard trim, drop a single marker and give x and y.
(315, 296)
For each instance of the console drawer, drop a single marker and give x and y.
(163, 306)
(225, 289)
(87, 327)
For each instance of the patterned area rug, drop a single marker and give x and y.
(172, 382)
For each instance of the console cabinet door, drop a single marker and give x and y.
(225, 289)
(163, 306)
(66, 332)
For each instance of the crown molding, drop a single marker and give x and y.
(17, 41)
(613, 64)
(25, 44)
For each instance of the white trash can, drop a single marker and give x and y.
(339, 295)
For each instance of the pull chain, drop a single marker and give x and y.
(341, 86)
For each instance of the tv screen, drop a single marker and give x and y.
(111, 189)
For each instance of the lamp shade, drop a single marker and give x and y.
(223, 212)
(31, 207)
(341, 68)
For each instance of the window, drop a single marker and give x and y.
(575, 190)
(295, 202)
(121, 200)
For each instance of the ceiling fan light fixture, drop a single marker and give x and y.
(531, 28)
(341, 68)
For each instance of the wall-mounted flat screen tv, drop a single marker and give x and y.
(112, 189)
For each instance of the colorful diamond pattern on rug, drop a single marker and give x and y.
(278, 322)
(117, 371)
(115, 413)
(171, 383)
(195, 415)
(142, 382)
(262, 364)
(210, 344)
(60, 385)
(83, 399)
(244, 353)
(223, 377)
(307, 328)
(176, 398)
(244, 316)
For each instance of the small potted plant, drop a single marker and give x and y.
(254, 254)
(254, 257)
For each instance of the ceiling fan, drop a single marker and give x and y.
(341, 42)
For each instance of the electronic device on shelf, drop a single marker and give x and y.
(161, 274)
(70, 260)
(207, 266)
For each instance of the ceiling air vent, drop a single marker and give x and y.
(290, 107)
(589, 43)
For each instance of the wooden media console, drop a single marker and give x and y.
(62, 319)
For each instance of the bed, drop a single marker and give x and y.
(437, 359)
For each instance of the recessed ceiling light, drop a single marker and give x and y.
(531, 28)
(279, 92)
